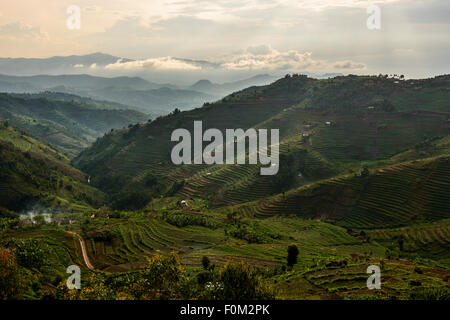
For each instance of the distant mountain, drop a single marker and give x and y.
(69, 126)
(57, 64)
(67, 97)
(229, 87)
(74, 81)
(135, 92)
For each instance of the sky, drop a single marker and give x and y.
(237, 36)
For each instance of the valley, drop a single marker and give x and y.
(363, 179)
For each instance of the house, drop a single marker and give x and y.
(328, 123)
(184, 204)
(370, 108)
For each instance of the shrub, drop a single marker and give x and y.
(183, 220)
(206, 262)
(242, 281)
(31, 253)
(292, 255)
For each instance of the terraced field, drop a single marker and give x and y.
(399, 280)
(395, 196)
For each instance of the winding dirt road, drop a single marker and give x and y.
(83, 250)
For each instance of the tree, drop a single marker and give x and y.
(206, 263)
(292, 255)
(400, 243)
(365, 171)
(239, 281)
(31, 253)
(12, 282)
(162, 277)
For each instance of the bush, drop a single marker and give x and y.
(11, 278)
(292, 255)
(162, 277)
(183, 220)
(31, 254)
(206, 262)
(241, 281)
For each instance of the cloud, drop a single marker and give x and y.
(162, 63)
(266, 58)
(261, 57)
(349, 65)
(19, 31)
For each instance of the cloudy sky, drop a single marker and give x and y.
(240, 36)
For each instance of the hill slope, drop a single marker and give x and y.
(327, 127)
(34, 173)
(70, 126)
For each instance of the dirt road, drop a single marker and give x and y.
(83, 250)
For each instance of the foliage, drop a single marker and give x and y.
(292, 255)
(31, 253)
(162, 277)
(183, 220)
(12, 281)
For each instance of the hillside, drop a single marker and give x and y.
(365, 182)
(327, 127)
(33, 173)
(401, 195)
(69, 126)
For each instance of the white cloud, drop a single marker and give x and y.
(349, 65)
(267, 58)
(162, 63)
(19, 31)
(261, 57)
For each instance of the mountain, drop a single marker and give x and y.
(33, 173)
(230, 87)
(327, 127)
(69, 126)
(132, 92)
(56, 65)
(74, 81)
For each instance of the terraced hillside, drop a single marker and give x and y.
(327, 127)
(404, 194)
